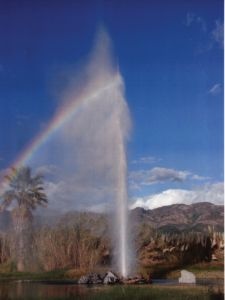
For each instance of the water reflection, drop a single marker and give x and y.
(31, 290)
(27, 290)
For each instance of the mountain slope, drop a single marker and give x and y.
(182, 217)
(172, 218)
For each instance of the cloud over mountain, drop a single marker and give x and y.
(207, 193)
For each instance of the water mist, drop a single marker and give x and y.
(119, 131)
(89, 149)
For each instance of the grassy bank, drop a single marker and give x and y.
(201, 270)
(156, 293)
(52, 275)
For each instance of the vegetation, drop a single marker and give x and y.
(25, 193)
(79, 242)
(59, 247)
(160, 253)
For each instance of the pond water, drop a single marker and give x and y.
(41, 290)
(28, 290)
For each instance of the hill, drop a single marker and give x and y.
(172, 218)
(182, 217)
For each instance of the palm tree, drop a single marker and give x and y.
(24, 194)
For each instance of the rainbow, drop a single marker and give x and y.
(66, 113)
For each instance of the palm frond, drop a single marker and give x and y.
(8, 198)
(26, 189)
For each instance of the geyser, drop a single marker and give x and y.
(85, 145)
(118, 132)
(100, 132)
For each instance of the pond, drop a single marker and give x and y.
(67, 290)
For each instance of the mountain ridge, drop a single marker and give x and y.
(182, 217)
(171, 218)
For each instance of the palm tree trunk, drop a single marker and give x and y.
(22, 221)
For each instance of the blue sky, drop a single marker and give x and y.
(171, 58)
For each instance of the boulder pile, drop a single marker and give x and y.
(111, 278)
(94, 278)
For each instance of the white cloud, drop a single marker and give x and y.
(47, 169)
(140, 178)
(146, 160)
(212, 37)
(134, 185)
(189, 19)
(192, 18)
(74, 194)
(215, 89)
(202, 23)
(198, 177)
(157, 175)
(162, 174)
(217, 33)
(207, 193)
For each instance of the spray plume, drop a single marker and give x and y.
(86, 143)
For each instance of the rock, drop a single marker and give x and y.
(187, 277)
(84, 279)
(92, 278)
(111, 278)
(96, 278)
(135, 281)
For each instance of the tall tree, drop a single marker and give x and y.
(25, 192)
